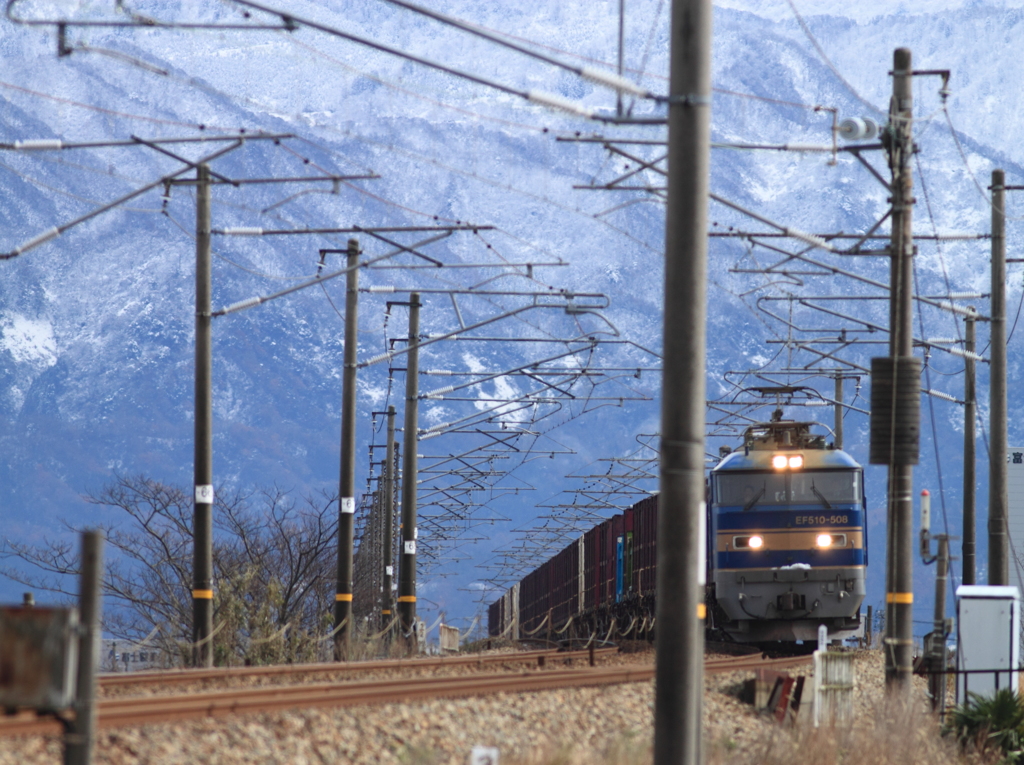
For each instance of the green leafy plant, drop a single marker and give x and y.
(989, 722)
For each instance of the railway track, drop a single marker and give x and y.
(188, 676)
(136, 710)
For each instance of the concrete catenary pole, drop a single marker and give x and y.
(998, 564)
(970, 519)
(407, 555)
(680, 607)
(388, 507)
(899, 587)
(347, 481)
(81, 733)
(202, 465)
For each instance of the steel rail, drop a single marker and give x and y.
(153, 709)
(167, 677)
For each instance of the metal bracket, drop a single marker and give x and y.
(690, 99)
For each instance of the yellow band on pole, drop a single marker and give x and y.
(343, 597)
(702, 611)
(386, 612)
(902, 598)
(202, 594)
(407, 599)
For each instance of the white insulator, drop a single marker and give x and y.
(242, 231)
(941, 340)
(38, 144)
(434, 396)
(858, 129)
(965, 354)
(442, 335)
(241, 305)
(557, 102)
(819, 403)
(943, 396)
(966, 295)
(382, 288)
(37, 240)
(614, 81)
(445, 372)
(442, 391)
(957, 309)
(377, 359)
(811, 239)
(805, 147)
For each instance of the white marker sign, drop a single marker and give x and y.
(483, 755)
(204, 494)
(348, 505)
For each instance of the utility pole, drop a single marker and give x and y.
(896, 388)
(347, 481)
(998, 566)
(970, 521)
(838, 429)
(679, 684)
(202, 464)
(388, 555)
(80, 737)
(407, 557)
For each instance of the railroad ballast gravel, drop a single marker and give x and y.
(611, 724)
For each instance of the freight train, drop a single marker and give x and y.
(786, 552)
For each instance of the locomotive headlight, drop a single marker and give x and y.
(779, 461)
(823, 540)
(755, 542)
(796, 461)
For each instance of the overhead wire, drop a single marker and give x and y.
(115, 113)
(828, 62)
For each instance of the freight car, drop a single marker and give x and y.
(786, 543)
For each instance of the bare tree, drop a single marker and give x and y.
(273, 567)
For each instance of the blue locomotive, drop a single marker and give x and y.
(787, 537)
(787, 552)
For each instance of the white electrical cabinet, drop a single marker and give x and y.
(988, 639)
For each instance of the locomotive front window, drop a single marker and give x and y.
(750, 490)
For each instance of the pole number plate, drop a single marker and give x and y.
(204, 494)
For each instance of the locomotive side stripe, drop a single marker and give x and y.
(761, 559)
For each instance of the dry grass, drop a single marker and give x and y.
(898, 735)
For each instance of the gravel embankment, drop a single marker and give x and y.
(611, 725)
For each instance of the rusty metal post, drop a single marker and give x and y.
(937, 646)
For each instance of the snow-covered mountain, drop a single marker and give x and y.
(96, 325)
